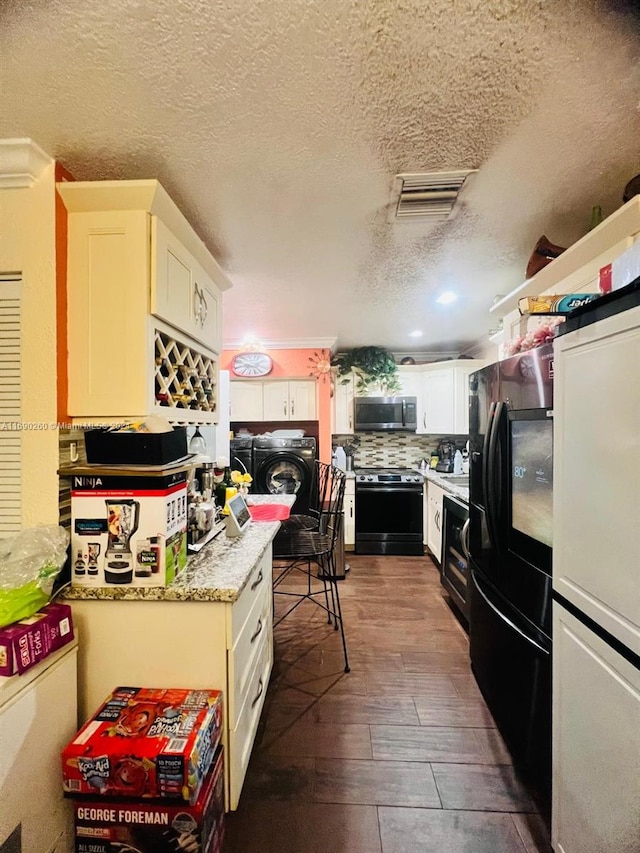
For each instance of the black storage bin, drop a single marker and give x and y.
(135, 448)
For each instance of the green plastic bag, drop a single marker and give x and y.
(29, 565)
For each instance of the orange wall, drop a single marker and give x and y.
(298, 364)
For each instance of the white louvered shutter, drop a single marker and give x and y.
(10, 408)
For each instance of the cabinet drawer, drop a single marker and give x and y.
(247, 649)
(258, 585)
(241, 738)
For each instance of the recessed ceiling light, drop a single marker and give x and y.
(416, 334)
(446, 298)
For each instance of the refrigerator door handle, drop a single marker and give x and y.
(505, 619)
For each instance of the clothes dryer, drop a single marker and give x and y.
(241, 453)
(285, 466)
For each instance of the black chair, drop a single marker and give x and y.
(319, 491)
(312, 553)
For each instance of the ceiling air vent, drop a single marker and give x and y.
(430, 194)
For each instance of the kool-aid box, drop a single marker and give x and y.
(146, 742)
(128, 529)
(107, 826)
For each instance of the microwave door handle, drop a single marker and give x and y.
(404, 412)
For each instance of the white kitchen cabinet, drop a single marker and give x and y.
(210, 644)
(350, 513)
(246, 400)
(277, 400)
(442, 392)
(596, 743)
(182, 294)
(343, 394)
(143, 296)
(435, 495)
(290, 401)
(37, 720)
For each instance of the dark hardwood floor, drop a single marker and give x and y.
(401, 755)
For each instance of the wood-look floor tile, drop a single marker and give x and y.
(466, 684)
(329, 661)
(280, 827)
(533, 832)
(367, 709)
(441, 659)
(441, 831)
(454, 712)
(481, 787)
(409, 684)
(399, 783)
(276, 777)
(321, 740)
(432, 743)
(299, 678)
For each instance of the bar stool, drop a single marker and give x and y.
(319, 496)
(312, 553)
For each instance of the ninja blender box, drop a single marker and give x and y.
(107, 826)
(128, 529)
(146, 743)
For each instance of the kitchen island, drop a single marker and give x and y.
(210, 628)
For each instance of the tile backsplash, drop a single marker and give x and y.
(391, 449)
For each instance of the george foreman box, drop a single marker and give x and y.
(107, 826)
(146, 743)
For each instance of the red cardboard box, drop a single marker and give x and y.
(107, 826)
(27, 642)
(146, 742)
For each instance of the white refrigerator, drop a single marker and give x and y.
(596, 580)
(38, 717)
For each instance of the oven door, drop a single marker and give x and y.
(455, 553)
(389, 519)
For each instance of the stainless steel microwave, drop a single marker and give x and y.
(386, 413)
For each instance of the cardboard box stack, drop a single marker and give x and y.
(147, 772)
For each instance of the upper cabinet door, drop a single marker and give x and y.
(246, 400)
(276, 401)
(182, 294)
(438, 401)
(302, 400)
(342, 403)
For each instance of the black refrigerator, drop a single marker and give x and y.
(510, 528)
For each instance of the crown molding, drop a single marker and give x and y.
(292, 343)
(21, 163)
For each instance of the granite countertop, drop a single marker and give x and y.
(458, 490)
(218, 572)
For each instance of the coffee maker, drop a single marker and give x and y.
(446, 453)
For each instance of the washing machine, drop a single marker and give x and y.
(241, 453)
(285, 466)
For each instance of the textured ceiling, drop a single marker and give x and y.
(278, 126)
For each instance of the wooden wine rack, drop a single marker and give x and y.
(184, 378)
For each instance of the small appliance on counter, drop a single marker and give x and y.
(446, 455)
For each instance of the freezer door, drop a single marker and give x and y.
(511, 662)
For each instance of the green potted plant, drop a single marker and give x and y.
(372, 367)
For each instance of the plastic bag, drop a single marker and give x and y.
(29, 564)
